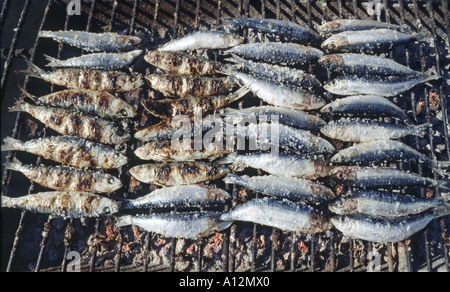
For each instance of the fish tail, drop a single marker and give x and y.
(27, 94)
(232, 179)
(441, 211)
(239, 93)
(15, 164)
(422, 36)
(430, 75)
(443, 184)
(229, 159)
(20, 106)
(405, 28)
(7, 202)
(422, 130)
(32, 71)
(12, 144)
(53, 62)
(124, 220)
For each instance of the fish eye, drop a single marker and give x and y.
(342, 219)
(123, 112)
(111, 180)
(120, 132)
(325, 148)
(107, 210)
(117, 155)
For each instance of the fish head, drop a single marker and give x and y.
(325, 147)
(342, 223)
(154, 57)
(114, 159)
(332, 61)
(121, 109)
(347, 204)
(109, 184)
(330, 27)
(338, 158)
(335, 86)
(337, 42)
(343, 173)
(104, 206)
(119, 136)
(319, 223)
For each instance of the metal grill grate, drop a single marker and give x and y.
(243, 246)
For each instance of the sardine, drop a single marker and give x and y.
(360, 130)
(163, 151)
(184, 86)
(70, 123)
(379, 229)
(281, 214)
(182, 63)
(280, 164)
(188, 225)
(64, 204)
(285, 30)
(279, 94)
(376, 85)
(362, 64)
(290, 76)
(167, 108)
(287, 54)
(96, 103)
(203, 40)
(179, 196)
(385, 204)
(294, 189)
(289, 117)
(385, 151)
(341, 25)
(105, 61)
(366, 105)
(94, 42)
(374, 39)
(91, 79)
(67, 178)
(178, 173)
(373, 177)
(70, 150)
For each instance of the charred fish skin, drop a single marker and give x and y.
(96, 103)
(67, 178)
(64, 204)
(70, 150)
(90, 79)
(365, 105)
(180, 196)
(294, 189)
(181, 173)
(203, 40)
(188, 225)
(375, 39)
(283, 214)
(168, 108)
(285, 30)
(184, 86)
(105, 61)
(341, 25)
(358, 130)
(287, 54)
(182, 63)
(163, 151)
(382, 203)
(380, 229)
(373, 177)
(71, 123)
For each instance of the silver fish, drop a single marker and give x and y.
(365, 105)
(280, 164)
(373, 177)
(376, 85)
(67, 178)
(91, 79)
(70, 150)
(340, 25)
(385, 204)
(385, 151)
(289, 117)
(356, 130)
(64, 204)
(287, 54)
(203, 40)
(178, 173)
(362, 64)
(189, 225)
(105, 61)
(379, 229)
(96, 103)
(70, 123)
(286, 30)
(281, 214)
(279, 94)
(177, 196)
(374, 39)
(294, 189)
(94, 42)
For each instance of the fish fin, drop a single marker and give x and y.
(229, 159)
(32, 71)
(29, 95)
(12, 144)
(53, 62)
(15, 164)
(239, 93)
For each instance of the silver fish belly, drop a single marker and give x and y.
(340, 25)
(282, 214)
(64, 204)
(203, 40)
(294, 189)
(189, 225)
(180, 196)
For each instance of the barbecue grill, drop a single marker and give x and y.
(34, 242)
